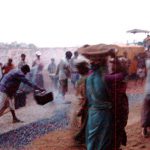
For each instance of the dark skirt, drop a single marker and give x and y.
(145, 116)
(120, 111)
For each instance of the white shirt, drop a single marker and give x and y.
(62, 67)
(73, 64)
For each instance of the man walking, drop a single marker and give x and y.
(63, 72)
(22, 61)
(52, 71)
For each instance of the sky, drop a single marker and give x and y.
(59, 23)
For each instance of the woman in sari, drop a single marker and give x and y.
(83, 70)
(99, 123)
(116, 82)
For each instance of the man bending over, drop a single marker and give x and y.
(8, 87)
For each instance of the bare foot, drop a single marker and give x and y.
(17, 121)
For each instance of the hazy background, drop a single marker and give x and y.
(57, 23)
(54, 25)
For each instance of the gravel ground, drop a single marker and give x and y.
(16, 139)
(22, 136)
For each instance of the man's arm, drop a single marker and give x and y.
(114, 77)
(23, 79)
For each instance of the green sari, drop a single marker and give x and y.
(99, 125)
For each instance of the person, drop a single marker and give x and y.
(37, 69)
(141, 60)
(20, 96)
(147, 42)
(133, 70)
(116, 84)
(99, 128)
(141, 73)
(125, 61)
(145, 113)
(22, 61)
(141, 67)
(74, 72)
(52, 70)
(1, 73)
(83, 69)
(7, 67)
(63, 72)
(8, 87)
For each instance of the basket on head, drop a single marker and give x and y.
(95, 52)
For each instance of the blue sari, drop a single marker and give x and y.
(99, 124)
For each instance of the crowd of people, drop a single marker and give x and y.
(16, 81)
(100, 84)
